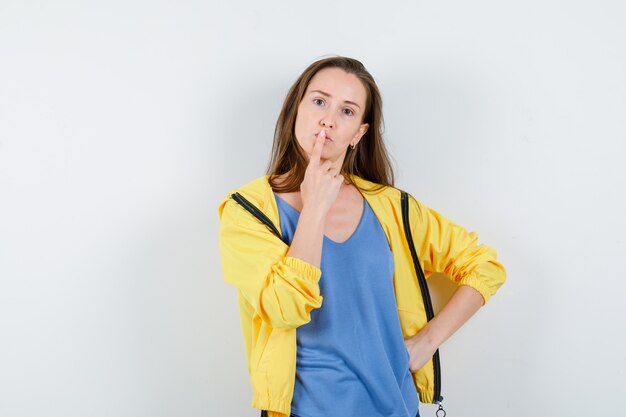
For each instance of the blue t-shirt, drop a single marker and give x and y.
(351, 357)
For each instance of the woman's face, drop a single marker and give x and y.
(334, 101)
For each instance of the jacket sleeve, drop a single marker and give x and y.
(446, 247)
(282, 290)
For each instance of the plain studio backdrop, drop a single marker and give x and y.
(124, 123)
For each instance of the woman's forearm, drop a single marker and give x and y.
(463, 304)
(308, 237)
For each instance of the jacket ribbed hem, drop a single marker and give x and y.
(275, 407)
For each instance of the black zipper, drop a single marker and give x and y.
(256, 213)
(421, 279)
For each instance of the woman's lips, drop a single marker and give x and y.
(326, 137)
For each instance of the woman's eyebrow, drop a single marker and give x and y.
(328, 95)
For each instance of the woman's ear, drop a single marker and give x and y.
(361, 132)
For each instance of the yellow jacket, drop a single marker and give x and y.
(276, 292)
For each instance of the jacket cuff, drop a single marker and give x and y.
(305, 269)
(478, 285)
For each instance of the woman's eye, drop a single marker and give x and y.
(348, 112)
(318, 101)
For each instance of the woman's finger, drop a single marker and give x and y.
(317, 147)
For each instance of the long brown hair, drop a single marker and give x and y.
(369, 159)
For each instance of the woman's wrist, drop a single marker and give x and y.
(429, 337)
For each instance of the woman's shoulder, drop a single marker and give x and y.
(375, 189)
(388, 196)
(256, 191)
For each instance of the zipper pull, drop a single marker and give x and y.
(440, 409)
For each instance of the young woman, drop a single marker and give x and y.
(334, 319)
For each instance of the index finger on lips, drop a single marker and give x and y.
(318, 146)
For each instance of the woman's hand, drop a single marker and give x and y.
(462, 305)
(421, 348)
(321, 182)
(318, 191)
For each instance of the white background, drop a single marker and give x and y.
(124, 123)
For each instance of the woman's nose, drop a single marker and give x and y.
(328, 122)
